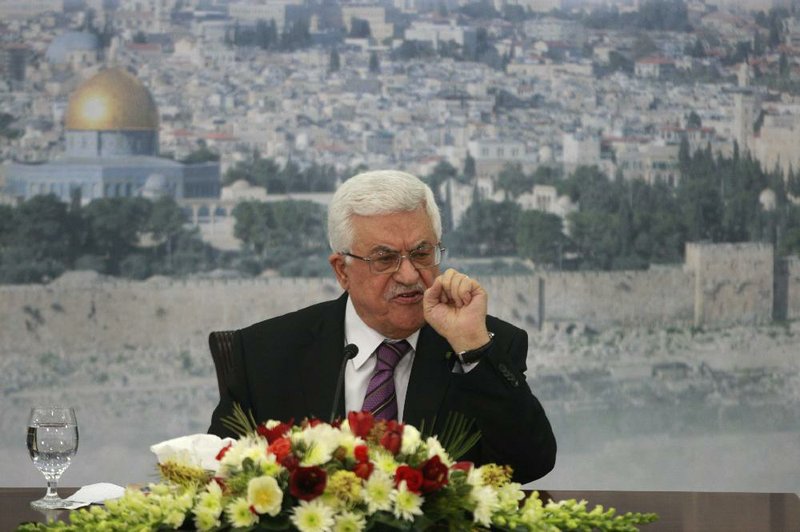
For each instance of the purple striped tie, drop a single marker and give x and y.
(380, 398)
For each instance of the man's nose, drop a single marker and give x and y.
(406, 272)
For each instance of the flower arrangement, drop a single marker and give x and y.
(358, 474)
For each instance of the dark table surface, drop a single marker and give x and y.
(677, 510)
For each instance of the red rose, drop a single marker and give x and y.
(280, 448)
(221, 453)
(275, 432)
(361, 452)
(412, 476)
(360, 423)
(466, 467)
(310, 422)
(434, 475)
(394, 425)
(290, 462)
(392, 439)
(307, 483)
(363, 470)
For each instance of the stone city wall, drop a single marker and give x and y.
(733, 283)
(82, 310)
(629, 298)
(787, 293)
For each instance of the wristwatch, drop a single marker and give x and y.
(474, 355)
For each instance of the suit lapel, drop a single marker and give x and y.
(321, 360)
(429, 379)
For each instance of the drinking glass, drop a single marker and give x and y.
(52, 442)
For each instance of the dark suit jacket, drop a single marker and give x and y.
(287, 367)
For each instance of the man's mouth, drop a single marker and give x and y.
(408, 297)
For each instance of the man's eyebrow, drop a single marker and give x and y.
(382, 249)
(386, 249)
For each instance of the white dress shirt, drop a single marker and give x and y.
(359, 370)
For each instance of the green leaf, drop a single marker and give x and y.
(457, 437)
(240, 423)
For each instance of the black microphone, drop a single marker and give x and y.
(350, 352)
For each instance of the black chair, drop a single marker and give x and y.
(221, 345)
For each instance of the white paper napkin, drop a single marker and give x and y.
(93, 494)
(198, 449)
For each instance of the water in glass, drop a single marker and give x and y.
(52, 442)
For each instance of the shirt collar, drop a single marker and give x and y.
(362, 335)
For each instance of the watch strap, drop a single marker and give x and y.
(472, 356)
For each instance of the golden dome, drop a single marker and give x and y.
(112, 100)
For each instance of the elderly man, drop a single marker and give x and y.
(426, 346)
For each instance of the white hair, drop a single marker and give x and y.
(376, 193)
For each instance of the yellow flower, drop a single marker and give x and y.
(239, 513)
(343, 489)
(496, 475)
(265, 495)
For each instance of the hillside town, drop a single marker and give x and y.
(536, 85)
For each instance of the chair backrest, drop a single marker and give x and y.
(221, 345)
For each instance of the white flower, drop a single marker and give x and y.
(435, 449)
(214, 490)
(349, 522)
(205, 519)
(272, 423)
(322, 440)
(378, 492)
(270, 465)
(265, 495)
(407, 504)
(313, 516)
(256, 453)
(384, 461)
(174, 518)
(239, 513)
(411, 440)
(175, 510)
(475, 477)
(210, 501)
(239, 450)
(349, 442)
(485, 498)
(509, 495)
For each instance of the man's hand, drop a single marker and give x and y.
(455, 306)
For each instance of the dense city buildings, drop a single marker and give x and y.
(526, 85)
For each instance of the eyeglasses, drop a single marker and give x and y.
(425, 256)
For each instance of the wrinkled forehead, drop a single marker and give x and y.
(405, 230)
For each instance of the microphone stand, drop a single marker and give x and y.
(350, 352)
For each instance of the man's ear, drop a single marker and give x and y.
(339, 266)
